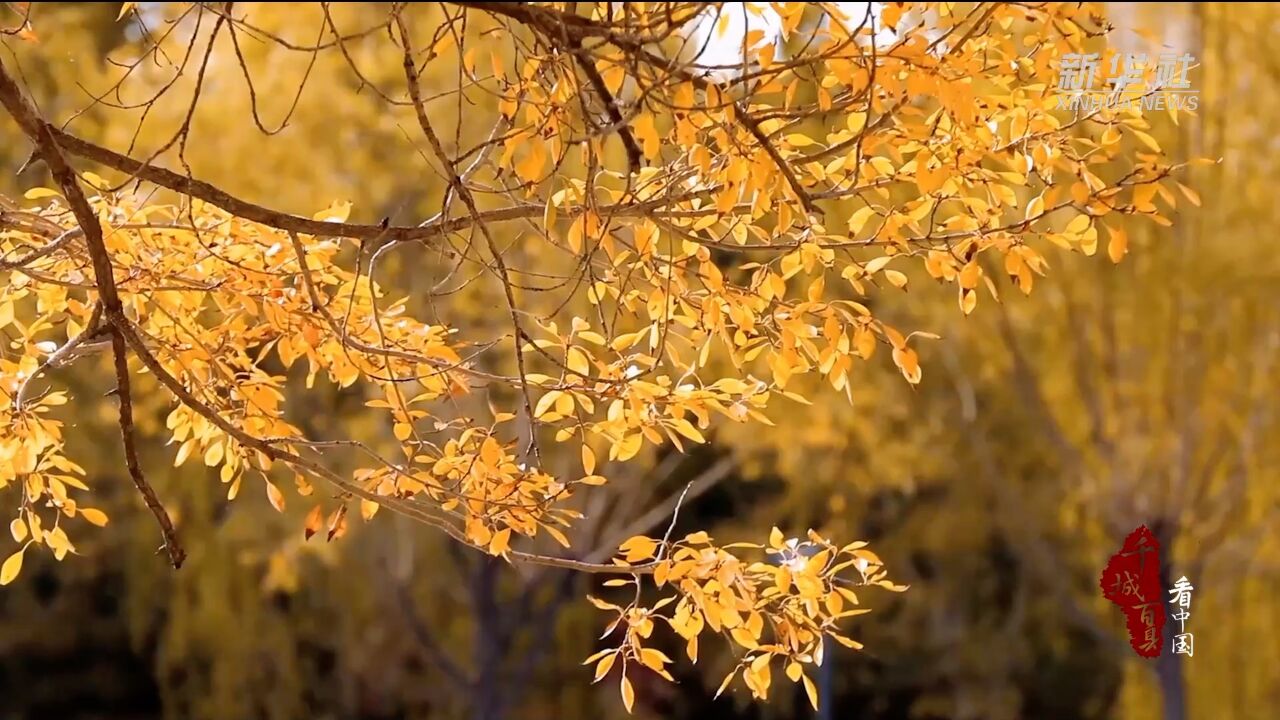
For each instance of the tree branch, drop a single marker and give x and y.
(171, 545)
(423, 636)
(635, 158)
(708, 479)
(280, 220)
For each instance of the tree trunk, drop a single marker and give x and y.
(826, 685)
(487, 695)
(1169, 666)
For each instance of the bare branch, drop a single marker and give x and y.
(123, 394)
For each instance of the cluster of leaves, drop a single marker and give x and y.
(783, 609)
(31, 456)
(742, 242)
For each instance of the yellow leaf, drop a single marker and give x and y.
(855, 122)
(338, 211)
(811, 690)
(1078, 225)
(653, 659)
(1035, 207)
(577, 361)
(37, 193)
(890, 15)
(847, 642)
(906, 360)
(588, 460)
(686, 428)
(1089, 241)
(58, 542)
(545, 403)
(1146, 140)
(368, 509)
(124, 10)
(11, 567)
(744, 638)
(1118, 244)
(530, 168)
(184, 452)
(782, 580)
(18, 529)
(629, 446)
(1142, 197)
(501, 542)
(698, 538)
(628, 694)
(724, 684)
(603, 667)
(864, 341)
(638, 547)
(402, 431)
(800, 140)
(1080, 193)
(660, 573)
(213, 454)
(757, 677)
(94, 516)
(928, 180)
(556, 535)
(859, 218)
(275, 497)
(875, 265)
(895, 278)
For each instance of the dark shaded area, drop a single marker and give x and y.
(72, 657)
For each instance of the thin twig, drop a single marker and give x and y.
(455, 181)
(167, 531)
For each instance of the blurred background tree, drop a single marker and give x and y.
(1054, 425)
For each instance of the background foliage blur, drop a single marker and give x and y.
(1045, 430)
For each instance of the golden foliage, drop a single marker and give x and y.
(741, 239)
